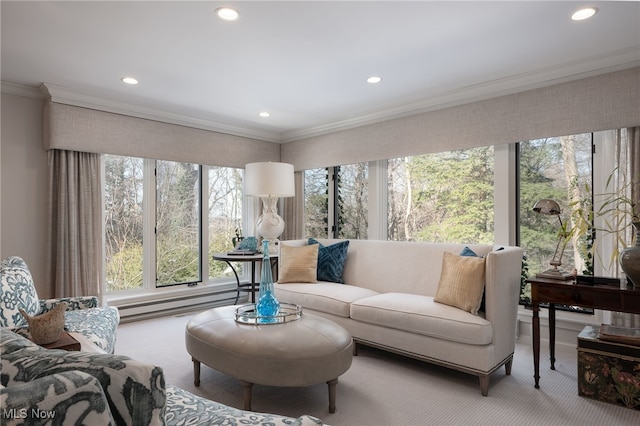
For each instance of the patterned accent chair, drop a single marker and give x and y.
(43, 387)
(94, 326)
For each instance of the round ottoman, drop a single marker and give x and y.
(307, 351)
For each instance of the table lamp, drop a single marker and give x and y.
(552, 208)
(269, 181)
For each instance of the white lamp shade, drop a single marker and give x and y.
(269, 180)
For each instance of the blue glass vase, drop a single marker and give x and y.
(268, 306)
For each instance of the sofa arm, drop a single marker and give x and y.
(71, 397)
(81, 302)
(502, 288)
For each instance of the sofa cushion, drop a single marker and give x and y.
(67, 398)
(17, 291)
(332, 298)
(461, 282)
(331, 260)
(422, 315)
(135, 390)
(298, 264)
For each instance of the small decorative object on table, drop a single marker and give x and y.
(630, 259)
(268, 306)
(46, 328)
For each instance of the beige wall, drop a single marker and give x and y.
(24, 186)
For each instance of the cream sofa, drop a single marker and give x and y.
(387, 301)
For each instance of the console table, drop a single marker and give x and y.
(253, 259)
(586, 292)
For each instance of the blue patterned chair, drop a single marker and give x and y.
(94, 326)
(38, 385)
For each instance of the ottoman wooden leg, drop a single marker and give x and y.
(196, 371)
(332, 395)
(246, 394)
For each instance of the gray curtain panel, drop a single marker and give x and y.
(75, 223)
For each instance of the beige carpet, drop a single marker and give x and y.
(384, 389)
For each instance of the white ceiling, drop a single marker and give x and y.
(305, 62)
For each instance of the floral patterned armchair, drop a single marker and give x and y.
(94, 326)
(40, 386)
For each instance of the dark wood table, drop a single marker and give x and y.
(586, 292)
(65, 341)
(249, 258)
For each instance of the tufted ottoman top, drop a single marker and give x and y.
(307, 351)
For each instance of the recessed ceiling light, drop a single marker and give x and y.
(585, 13)
(227, 13)
(264, 114)
(129, 80)
(374, 79)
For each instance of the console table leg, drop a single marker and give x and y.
(552, 335)
(332, 395)
(196, 372)
(246, 394)
(535, 323)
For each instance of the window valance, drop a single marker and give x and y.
(87, 130)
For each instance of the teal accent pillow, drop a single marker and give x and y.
(331, 260)
(466, 251)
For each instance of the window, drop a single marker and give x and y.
(444, 197)
(225, 195)
(123, 195)
(316, 203)
(156, 225)
(337, 198)
(560, 169)
(178, 254)
(352, 202)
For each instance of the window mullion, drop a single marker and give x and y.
(149, 227)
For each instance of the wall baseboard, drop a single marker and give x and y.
(141, 310)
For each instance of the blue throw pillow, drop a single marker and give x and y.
(331, 260)
(466, 251)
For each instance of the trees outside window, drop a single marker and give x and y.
(316, 203)
(123, 221)
(352, 201)
(181, 191)
(336, 201)
(444, 197)
(178, 253)
(561, 169)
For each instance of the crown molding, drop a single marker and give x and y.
(21, 90)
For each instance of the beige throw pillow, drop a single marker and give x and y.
(298, 264)
(461, 282)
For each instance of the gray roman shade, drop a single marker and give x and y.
(75, 128)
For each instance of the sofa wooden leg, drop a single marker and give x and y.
(246, 394)
(355, 349)
(196, 372)
(332, 395)
(484, 384)
(507, 366)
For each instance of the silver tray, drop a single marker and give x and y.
(246, 314)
